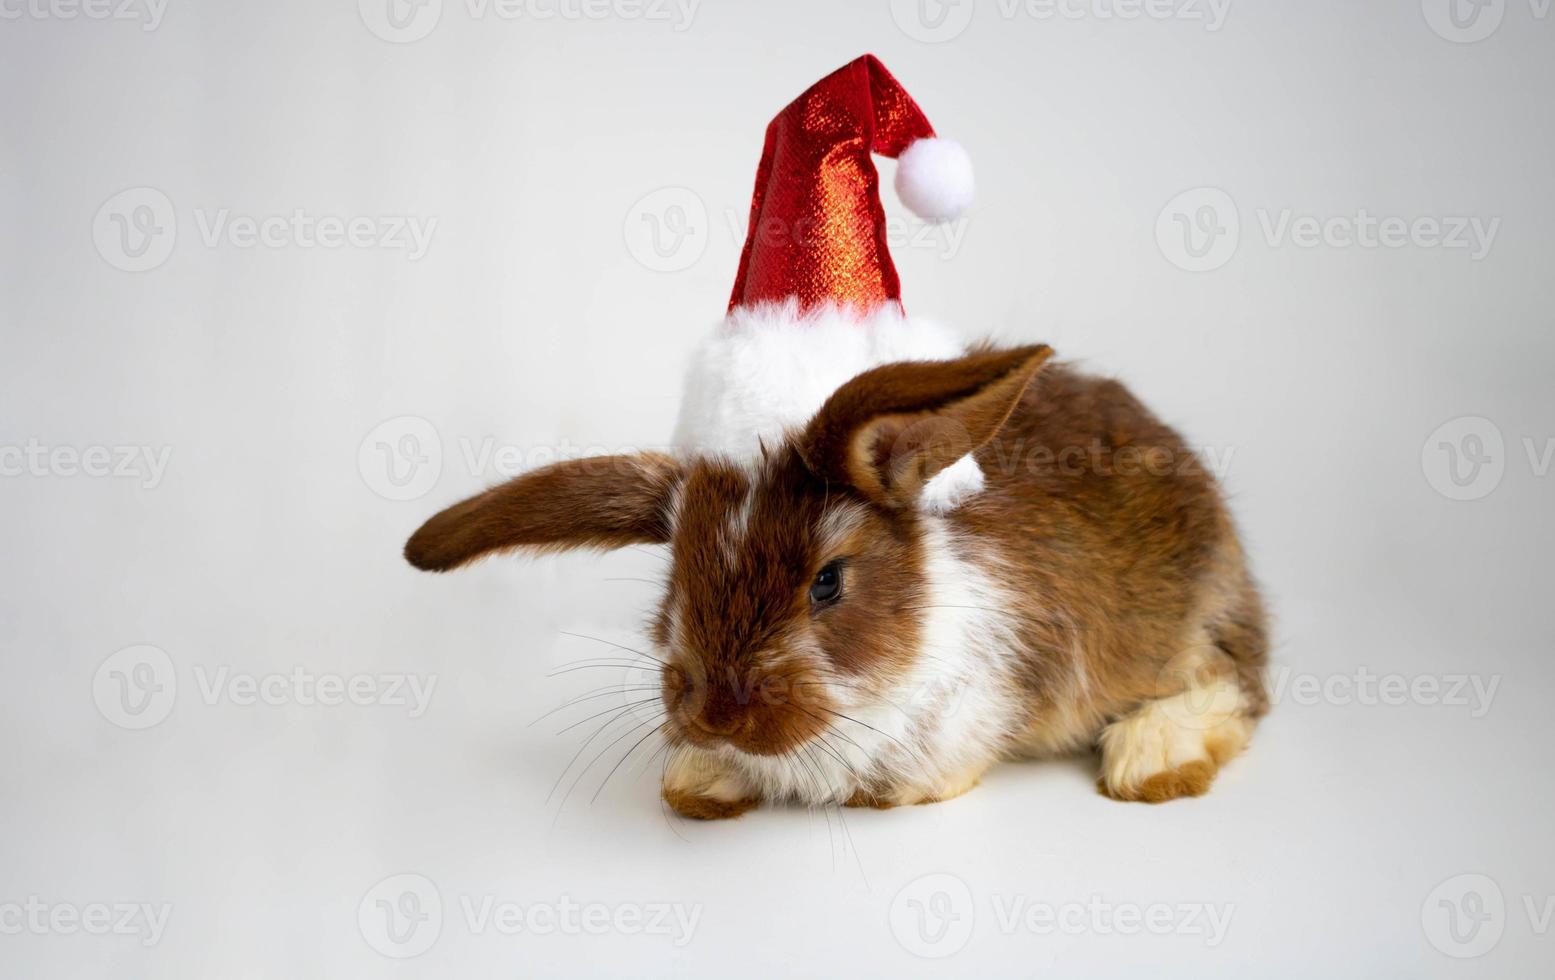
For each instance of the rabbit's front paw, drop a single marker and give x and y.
(698, 786)
(1172, 747)
(914, 794)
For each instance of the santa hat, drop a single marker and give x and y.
(817, 300)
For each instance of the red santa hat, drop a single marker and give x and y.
(816, 300)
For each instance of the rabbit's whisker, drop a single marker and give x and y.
(615, 768)
(632, 730)
(612, 643)
(592, 696)
(617, 708)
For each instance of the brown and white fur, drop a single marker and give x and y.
(1093, 594)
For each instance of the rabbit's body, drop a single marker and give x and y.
(1096, 574)
(823, 639)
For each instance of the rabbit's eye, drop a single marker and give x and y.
(827, 585)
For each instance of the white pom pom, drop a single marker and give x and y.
(934, 179)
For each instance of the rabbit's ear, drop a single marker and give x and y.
(888, 431)
(599, 502)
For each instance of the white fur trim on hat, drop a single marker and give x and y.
(768, 369)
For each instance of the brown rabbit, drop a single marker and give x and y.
(824, 640)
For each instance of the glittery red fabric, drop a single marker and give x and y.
(817, 231)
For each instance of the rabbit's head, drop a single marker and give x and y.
(796, 591)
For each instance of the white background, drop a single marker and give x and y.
(541, 317)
